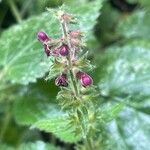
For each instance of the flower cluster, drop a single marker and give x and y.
(66, 50)
(70, 63)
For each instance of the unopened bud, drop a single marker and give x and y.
(85, 79)
(75, 42)
(67, 17)
(42, 37)
(75, 34)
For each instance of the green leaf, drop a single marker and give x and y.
(145, 3)
(21, 55)
(124, 78)
(59, 126)
(76, 2)
(130, 131)
(6, 147)
(124, 71)
(45, 116)
(39, 145)
(135, 25)
(110, 111)
(86, 14)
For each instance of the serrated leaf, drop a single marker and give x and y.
(135, 25)
(124, 77)
(58, 126)
(45, 116)
(21, 59)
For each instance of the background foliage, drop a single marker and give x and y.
(117, 36)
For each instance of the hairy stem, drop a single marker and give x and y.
(64, 25)
(73, 79)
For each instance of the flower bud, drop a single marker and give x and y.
(42, 37)
(64, 50)
(47, 50)
(67, 17)
(61, 80)
(85, 79)
(75, 34)
(75, 42)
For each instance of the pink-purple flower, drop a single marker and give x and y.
(42, 37)
(85, 79)
(64, 50)
(61, 80)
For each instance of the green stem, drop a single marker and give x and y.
(5, 123)
(73, 80)
(15, 11)
(87, 141)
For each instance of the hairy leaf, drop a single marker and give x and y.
(21, 56)
(124, 78)
(124, 71)
(45, 116)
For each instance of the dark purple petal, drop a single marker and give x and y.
(61, 80)
(64, 50)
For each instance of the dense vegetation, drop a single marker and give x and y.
(117, 37)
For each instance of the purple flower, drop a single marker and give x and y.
(85, 79)
(61, 80)
(64, 50)
(42, 37)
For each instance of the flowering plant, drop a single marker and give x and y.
(69, 112)
(77, 90)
